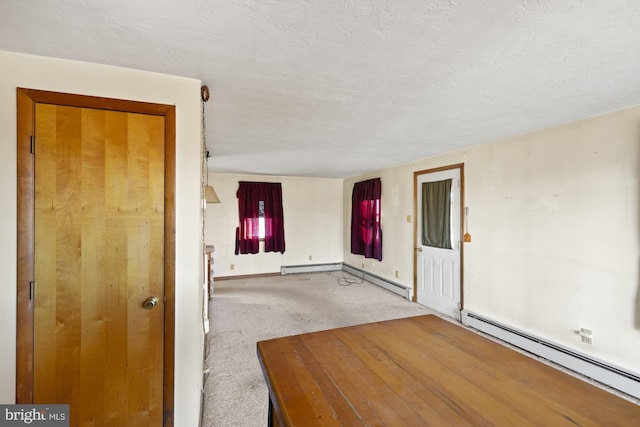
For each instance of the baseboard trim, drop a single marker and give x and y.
(387, 284)
(310, 268)
(605, 373)
(245, 276)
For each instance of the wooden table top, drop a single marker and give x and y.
(424, 371)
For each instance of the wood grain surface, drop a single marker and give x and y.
(99, 232)
(421, 371)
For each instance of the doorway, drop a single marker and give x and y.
(95, 257)
(439, 201)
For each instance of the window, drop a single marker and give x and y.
(261, 219)
(261, 223)
(260, 216)
(366, 210)
(437, 215)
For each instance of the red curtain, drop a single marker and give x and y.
(247, 234)
(366, 233)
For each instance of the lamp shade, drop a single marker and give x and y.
(210, 195)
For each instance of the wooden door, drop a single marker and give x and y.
(99, 253)
(438, 281)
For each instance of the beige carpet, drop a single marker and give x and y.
(245, 311)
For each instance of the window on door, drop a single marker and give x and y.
(437, 199)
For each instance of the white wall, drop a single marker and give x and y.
(98, 80)
(555, 225)
(312, 224)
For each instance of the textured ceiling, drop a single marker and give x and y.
(337, 88)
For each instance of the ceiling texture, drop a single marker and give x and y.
(338, 88)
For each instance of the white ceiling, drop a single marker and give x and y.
(336, 88)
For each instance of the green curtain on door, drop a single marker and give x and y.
(436, 214)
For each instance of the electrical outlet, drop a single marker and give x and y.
(233, 266)
(586, 336)
(310, 257)
(363, 265)
(409, 219)
(396, 274)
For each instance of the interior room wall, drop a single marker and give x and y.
(396, 222)
(554, 220)
(312, 224)
(97, 80)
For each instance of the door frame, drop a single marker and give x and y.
(416, 174)
(26, 100)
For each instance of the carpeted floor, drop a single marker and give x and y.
(245, 311)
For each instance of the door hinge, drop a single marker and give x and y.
(33, 144)
(32, 290)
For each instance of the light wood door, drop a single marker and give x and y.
(99, 253)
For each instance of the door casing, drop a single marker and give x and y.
(416, 174)
(26, 101)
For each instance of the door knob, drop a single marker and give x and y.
(419, 249)
(150, 302)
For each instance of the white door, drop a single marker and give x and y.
(438, 269)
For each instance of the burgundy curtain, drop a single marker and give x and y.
(247, 234)
(366, 234)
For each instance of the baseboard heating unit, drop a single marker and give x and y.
(310, 268)
(617, 378)
(380, 281)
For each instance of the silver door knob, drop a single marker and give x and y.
(150, 302)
